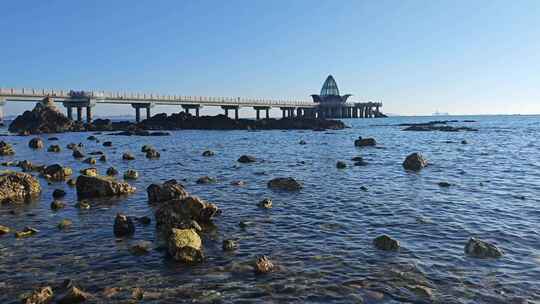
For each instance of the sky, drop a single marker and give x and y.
(417, 57)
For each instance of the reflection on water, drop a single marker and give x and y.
(321, 237)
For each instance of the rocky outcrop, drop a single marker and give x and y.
(438, 125)
(208, 153)
(36, 143)
(365, 142)
(385, 242)
(247, 159)
(128, 156)
(17, 186)
(41, 295)
(44, 118)
(185, 245)
(123, 225)
(99, 186)
(57, 172)
(263, 265)
(180, 213)
(415, 162)
(169, 190)
(284, 183)
(6, 149)
(341, 164)
(152, 154)
(481, 249)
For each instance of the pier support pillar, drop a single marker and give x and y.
(88, 114)
(2, 104)
(267, 110)
(260, 108)
(70, 112)
(138, 114)
(148, 113)
(283, 113)
(138, 107)
(79, 113)
(227, 108)
(257, 116)
(197, 112)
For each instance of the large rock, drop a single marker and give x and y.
(17, 186)
(100, 186)
(284, 183)
(123, 225)
(57, 172)
(247, 159)
(365, 142)
(41, 295)
(44, 118)
(414, 162)
(185, 245)
(481, 249)
(384, 242)
(169, 190)
(180, 213)
(36, 143)
(6, 149)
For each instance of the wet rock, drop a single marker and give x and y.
(98, 186)
(141, 248)
(42, 295)
(357, 159)
(128, 156)
(26, 232)
(27, 166)
(36, 143)
(464, 142)
(238, 183)
(6, 149)
(54, 148)
(185, 245)
(137, 293)
(169, 190)
(17, 186)
(57, 172)
(263, 265)
(415, 162)
(107, 144)
(247, 159)
(71, 146)
(361, 163)
(422, 291)
(91, 137)
(266, 203)
(77, 153)
(57, 205)
(481, 249)
(131, 174)
(245, 224)
(4, 230)
(103, 158)
(341, 165)
(363, 188)
(111, 171)
(444, 184)
(89, 171)
(64, 224)
(384, 242)
(71, 182)
(180, 213)
(365, 142)
(152, 154)
(230, 245)
(9, 164)
(284, 183)
(206, 180)
(44, 118)
(90, 161)
(73, 295)
(208, 153)
(144, 220)
(123, 225)
(83, 205)
(58, 193)
(52, 138)
(302, 142)
(146, 148)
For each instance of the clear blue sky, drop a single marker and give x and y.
(462, 57)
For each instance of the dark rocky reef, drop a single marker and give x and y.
(437, 125)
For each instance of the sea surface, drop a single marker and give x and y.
(321, 237)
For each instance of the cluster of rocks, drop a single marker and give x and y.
(18, 186)
(436, 126)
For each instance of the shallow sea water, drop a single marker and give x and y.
(321, 237)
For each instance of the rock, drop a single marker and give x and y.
(4, 230)
(42, 295)
(98, 186)
(180, 213)
(247, 159)
(363, 188)
(415, 162)
(384, 242)
(36, 143)
(464, 142)
(57, 172)
(123, 225)
(266, 203)
(58, 193)
(91, 137)
(6, 149)
(52, 138)
(146, 148)
(77, 153)
(142, 248)
(90, 161)
(206, 180)
(144, 220)
(128, 156)
(107, 144)
(285, 183)
(152, 154)
(365, 142)
(71, 182)
(17, 186)
(71, 146)
(169, 190)
(103, 158)
(208, 153)
(112, 171)
(361, 163)
(238, 183)
(89, 171)
(444, 184)
(263, 265)
(230, 245)
(481, 249)
(185, 245)
(27, 166)
(422, 291)
(341, 165)
(54, 148)
(57, 205)
(26, 232)
(83, 205)
(244, 224)
(131, 174)
(302, 142)
(44, 118)
(137, 293)
(357, 159)
(64, 224)
(73, 295)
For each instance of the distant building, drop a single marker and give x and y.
(330, 93)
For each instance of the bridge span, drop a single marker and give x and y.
(87, 100)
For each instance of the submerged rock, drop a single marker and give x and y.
(57, 205)
(384, 242)
(42, 295)
(6, 149)
(169, 190)
(146, 148)
(365, 142)
(230, 245)
(36, 143)
(141, 248)
(90, 161)
(185, 245)
(481, 249)
(58, 193)
(44, 118)
(26, 232)
(128, 156)
(64, 224)
(341, 165)
(107, 144)
(57, 172)
(89, 171)
(208, 153)
(103, 158)
(111, 171)
(83, 205)
(99, 186)
(54, 148)
(4, 230)
(415, 162)
(263, 265)
(123, 225)
(206, 180)
(131, 174)
(152, 154)
(77, 153)
(72, 294)
(17, 186)
(247, 159)
(284, 183)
